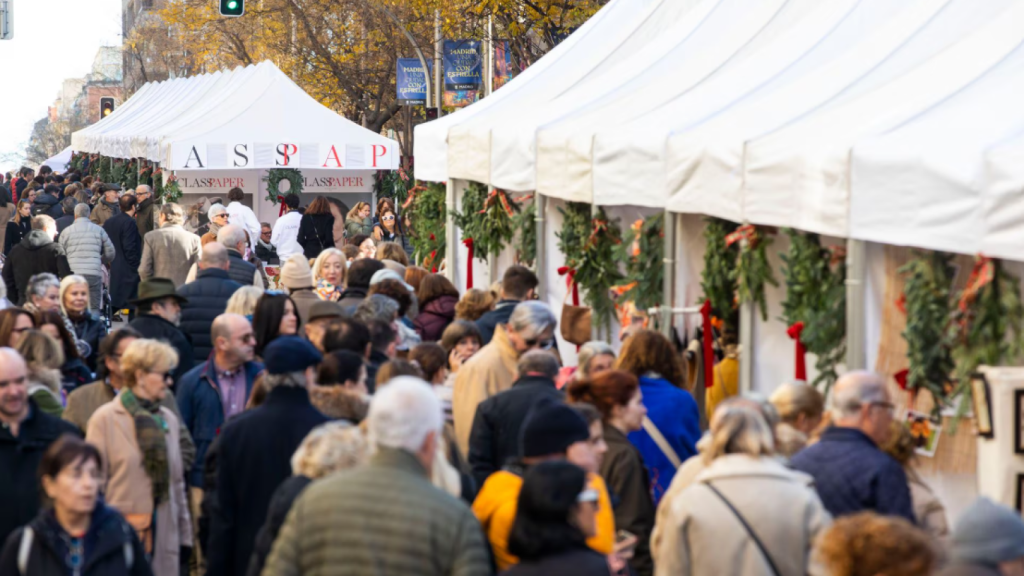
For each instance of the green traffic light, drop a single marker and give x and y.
(233, 8)
(232, 4)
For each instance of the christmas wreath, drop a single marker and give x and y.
(589, 245)
(815, 304)
(486, 220)
(718, 279)
(426, 210)
(171, 192)
(274, 178)
(926, 301)
(526, 242)
(643, 254)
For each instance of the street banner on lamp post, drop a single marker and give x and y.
(411, 82)
(463, 72)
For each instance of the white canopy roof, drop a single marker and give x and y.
(60, 161)
(248, 118)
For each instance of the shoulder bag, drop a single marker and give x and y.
(662, 442)
(747, 527)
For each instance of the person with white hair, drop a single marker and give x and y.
(169, 251)
(760, 516)
(241, 271)
(531, 326)
(88, 248)
(850, 470)
(146, 209)
(385, 518)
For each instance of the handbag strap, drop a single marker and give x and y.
(747, 527)
(662, 442)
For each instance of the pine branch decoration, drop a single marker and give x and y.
(929, 278)
(718, 279)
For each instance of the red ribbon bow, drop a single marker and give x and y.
(801, 362)
(412, 195)
(570, 282)
(745, 232)
(901, 378)
(468, 243)
(280, 200)
(709, 351)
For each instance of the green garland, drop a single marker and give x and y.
(589, 246)
(118, 170)
(753, 271)
(816, 296)
(487, 219)
(718, 279)
(171, 192)
(105, 169)
(426, 215)
(274, 178)
(643, 254)
(987, 326)
(926, 295)
(76, 161)
(393, 184)
(131, 175)
(526, 241)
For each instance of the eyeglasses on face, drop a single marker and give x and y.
(389, 218)
(546, 344)
(167, 376)
(221, 216)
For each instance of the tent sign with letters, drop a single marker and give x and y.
(258, 155)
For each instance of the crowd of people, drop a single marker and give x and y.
(367, 417)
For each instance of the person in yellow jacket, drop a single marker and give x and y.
(552, 432)
(727, 376)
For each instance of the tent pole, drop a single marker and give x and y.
(669, 263)
(856, 266)
(438, 95)
(450, 233)
(746, 341)
(540, 262)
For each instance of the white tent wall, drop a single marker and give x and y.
(1002, 208)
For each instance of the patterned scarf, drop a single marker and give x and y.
(327, 291)
(150, 428)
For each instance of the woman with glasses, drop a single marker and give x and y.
(139, 442)
(219, 218)
(14, 322)
(556, 513)
(649, 356)
(390, 228)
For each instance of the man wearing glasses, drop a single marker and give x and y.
(850, 470)
(493, 369)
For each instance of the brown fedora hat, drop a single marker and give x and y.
(157, 288)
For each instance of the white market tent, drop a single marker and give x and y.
(60, 161)
(244, 119)
(789, 112)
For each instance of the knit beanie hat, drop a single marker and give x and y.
(551, 428)
(296, 273)
(988, 533)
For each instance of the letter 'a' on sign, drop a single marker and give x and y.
(233, 8)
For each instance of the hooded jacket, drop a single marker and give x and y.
(36, 253)
(47, 204)
(495, 507)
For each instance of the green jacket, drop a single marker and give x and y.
(385, 519)
(355, 227)
(85, 400)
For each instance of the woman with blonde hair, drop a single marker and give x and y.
(87, 326)
(18, 226)
(329, 271)
(139, 441)
(327, 449)
(44, 357)
(390, 250)
(800, 407)
(760, 516)
(358, 220)
(474, 304)
(243, 301)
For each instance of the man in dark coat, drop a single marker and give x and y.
(36, 253)
(159, 313)
(146, 209)
(241, 271)
(358, 278)
(494, 440)
(68, 218)
(25, 434)
(207, 297)
(517, 285)
(124, 270)
(47, 203)
(255, 453)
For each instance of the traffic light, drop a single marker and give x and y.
(431, 114)
(106, 107)
(233, 8)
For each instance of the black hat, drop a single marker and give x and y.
(551, 428)
(290, 354)
(156, 289)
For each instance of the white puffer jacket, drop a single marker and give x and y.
(88, 247)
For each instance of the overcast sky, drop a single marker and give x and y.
(53, 40)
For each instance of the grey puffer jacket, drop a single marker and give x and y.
(88, 247)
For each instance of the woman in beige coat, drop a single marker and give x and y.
(142, 465)
(699, 533)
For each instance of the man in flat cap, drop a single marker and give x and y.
(256, 450)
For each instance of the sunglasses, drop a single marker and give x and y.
(221, 216)
(166, 375)
(538, 343)
(388, 218)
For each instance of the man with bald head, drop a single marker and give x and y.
(25, 434)
(850, 470)
(207, 296)
(216, 390)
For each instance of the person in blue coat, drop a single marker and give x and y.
(650, 357)
(124, 270)
(207, 297)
